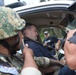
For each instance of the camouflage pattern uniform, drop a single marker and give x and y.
(42, 61)
(10, 66)
(10, 25)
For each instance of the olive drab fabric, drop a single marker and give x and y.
(42, 62)
(10, 23)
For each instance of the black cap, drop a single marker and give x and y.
(73, 38)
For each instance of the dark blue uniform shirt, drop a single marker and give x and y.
(39, 49)
(51, 41)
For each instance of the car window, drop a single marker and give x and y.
(72, 25)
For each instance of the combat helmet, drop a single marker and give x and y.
(10, 23)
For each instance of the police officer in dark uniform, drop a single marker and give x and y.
(50, 41)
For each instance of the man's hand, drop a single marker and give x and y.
(45, 44)
(28, 57)
(27, 51)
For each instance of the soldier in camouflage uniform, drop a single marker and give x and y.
(10, 24)
(10, 41)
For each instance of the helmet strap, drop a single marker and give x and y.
(9, 47)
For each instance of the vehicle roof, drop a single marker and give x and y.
(46, 14)
(44, 3)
